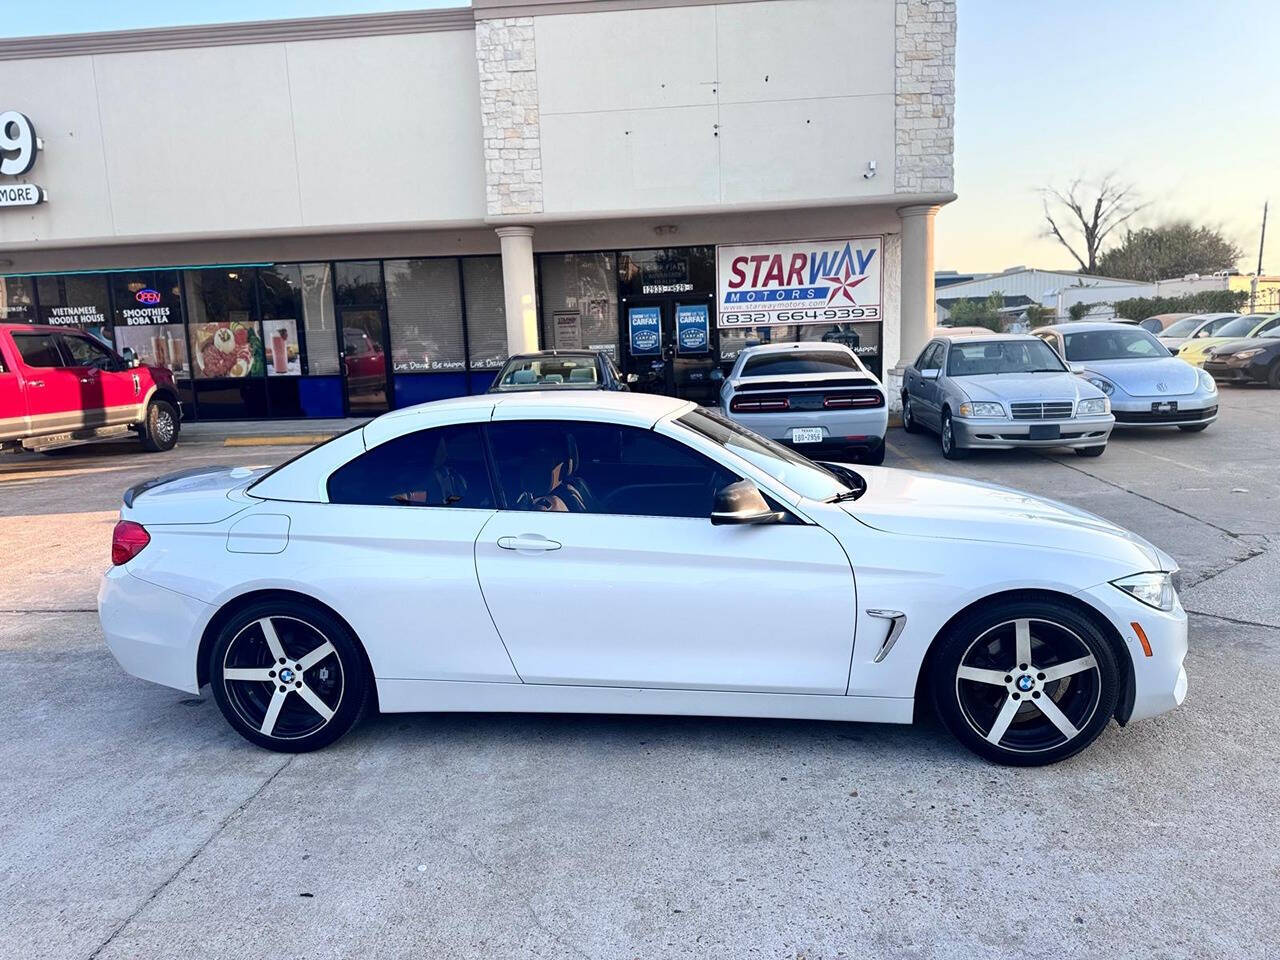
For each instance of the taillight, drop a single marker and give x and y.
(844, 401)
(771, 405)
(127, 541)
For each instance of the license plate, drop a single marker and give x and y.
(806, 435)
(1166, 406)
(1045, 431)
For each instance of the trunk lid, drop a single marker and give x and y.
(197, 495)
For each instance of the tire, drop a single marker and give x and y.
(874, 457)
(946, 437)
(1192, 427)
(909, 422)
(1091, 451)
(282, 706)
(160, 429)
(1273, 378)
(968, 671)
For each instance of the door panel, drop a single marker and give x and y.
(364, 361)
(669, 602)
(109, 393)
(52, 390)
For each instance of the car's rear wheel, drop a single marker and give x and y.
(1091, 451)
(874, 456)
(1192, 427)
(1273, 378)
(909, 422)
(288, 676)
(947, 437)
(160, 429)
(1025, 683)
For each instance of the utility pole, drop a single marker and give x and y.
(1262, 239)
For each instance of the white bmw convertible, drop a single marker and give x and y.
(620, 553)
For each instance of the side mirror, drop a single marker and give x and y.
(633, 378)
(742, 502)
(930, 374)
(1076, 368)
(130, 358)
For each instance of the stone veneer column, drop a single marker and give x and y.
(509, 115)
(925, 96)
(519, 289)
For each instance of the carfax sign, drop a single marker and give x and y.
(693, 328)
(646, 330)
(818, 281)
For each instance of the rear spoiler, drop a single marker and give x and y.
(138, 489)
(750, 386)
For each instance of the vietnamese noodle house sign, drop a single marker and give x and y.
(812, 281)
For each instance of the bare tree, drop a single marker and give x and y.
(1088, 212)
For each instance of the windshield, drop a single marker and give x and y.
(782, 463)
(576, 371)
(1002, 356)
(1182, 328)
(799, 361)
(1112, 345)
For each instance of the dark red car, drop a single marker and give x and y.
(59, 387)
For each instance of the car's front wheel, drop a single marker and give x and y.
(1192, 427)
(288, 676)
(947, 437)
(1097, 451)
(1025, 683)
(909, 422)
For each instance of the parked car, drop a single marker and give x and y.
(1157, 323)
(539, 529)
(559, 370)
(1000, 392)
(1197, 325)
(1251, 325)
(1146, 386)
(60, 387)
(817, 397)
(1253, 360)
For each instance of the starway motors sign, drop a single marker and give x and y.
(818, 281)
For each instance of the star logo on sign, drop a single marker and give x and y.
(843, 285)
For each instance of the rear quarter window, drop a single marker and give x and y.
(38, 349)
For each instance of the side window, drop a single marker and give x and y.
(1052, 341)
(444, 467)
(38, 349)
(931, 357)
(574, 467)
(83, 352)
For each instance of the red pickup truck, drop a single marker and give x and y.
(60, 387)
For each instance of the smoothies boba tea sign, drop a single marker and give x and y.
(814, 281)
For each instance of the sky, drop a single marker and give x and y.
(1181, 99)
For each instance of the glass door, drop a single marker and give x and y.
(364, 360)
(668, 346)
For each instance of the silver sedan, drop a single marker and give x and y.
(1146, 386)
(1002, 391)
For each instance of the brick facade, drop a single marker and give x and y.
(509, 113)
(925, 100)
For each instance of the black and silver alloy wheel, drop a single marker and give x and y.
(160, 429)
(909, 423)
(288, 677)
(1027, 684)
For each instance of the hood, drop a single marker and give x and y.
(1228, 347)
(1017, 387)
(1142, 378)
(199, 495)
(926, 505)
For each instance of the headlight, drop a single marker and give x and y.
(1246, 354)
(1093, 408)
(1106, 386)
(981, 409)
(1153, 589)
(1206, 381)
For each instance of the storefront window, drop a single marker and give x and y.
(299, 332)
(862, 338)
(226, 340)
(75, 300)
(424, 311)
(667, 270)
(17, 304)
(147, 319)
(486, 312)
(580, 301)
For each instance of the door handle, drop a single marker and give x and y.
(35, 383)
(528, 541)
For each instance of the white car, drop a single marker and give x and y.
(817, 397)
(606, 552)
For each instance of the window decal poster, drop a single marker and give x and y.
(693, 328)
(813, 281)
(645, 324)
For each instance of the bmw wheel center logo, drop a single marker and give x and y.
(1026, 682)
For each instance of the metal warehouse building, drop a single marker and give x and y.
(378, 210)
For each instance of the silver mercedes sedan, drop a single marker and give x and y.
(1000, 392)
(1146, 385)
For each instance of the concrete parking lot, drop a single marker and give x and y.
(136, 824)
